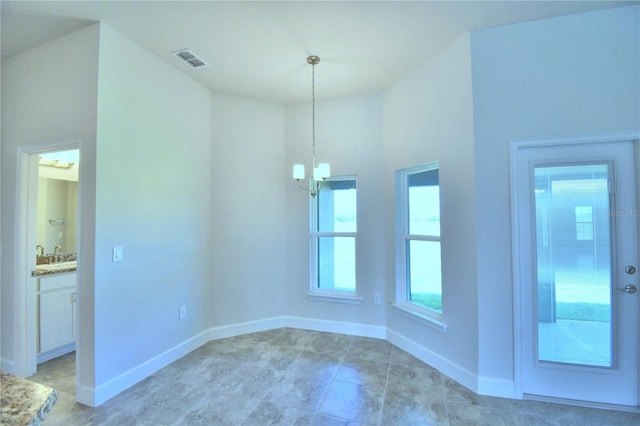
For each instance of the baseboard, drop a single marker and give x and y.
(231, 330)
(461, 375)
(113, 387)
(7, 366)
(87, 395)
(330, 326)
(493, 386)
(588, 404)
(487, 386)
(102, 393)
(46, 356)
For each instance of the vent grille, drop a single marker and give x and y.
(190, 58)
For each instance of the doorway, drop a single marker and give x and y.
(575, 227)
(48, 246)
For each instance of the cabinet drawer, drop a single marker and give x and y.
(57, 282)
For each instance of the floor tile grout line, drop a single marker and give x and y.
(300, 352)
(333, 378)
(444, 397)
(384, 392)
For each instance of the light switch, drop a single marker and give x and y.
(117, 254)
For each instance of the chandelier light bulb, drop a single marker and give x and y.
(325, 170)
(298, 171)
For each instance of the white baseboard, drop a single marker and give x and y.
(46, 356)
(102, 393)
(8, 366)
(350, 328)
(493, 386)
(487, 386)
(445, 366)
(109, 389)
(231, 330)
(87, 395)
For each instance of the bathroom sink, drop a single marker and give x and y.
(57, 266)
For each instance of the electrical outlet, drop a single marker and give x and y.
(376, 299)
(183, 312)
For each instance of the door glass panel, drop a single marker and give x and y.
(574, 274)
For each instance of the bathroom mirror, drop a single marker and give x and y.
(58, 202)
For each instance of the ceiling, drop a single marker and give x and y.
(259, 49)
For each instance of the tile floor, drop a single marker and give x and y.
(300, 377)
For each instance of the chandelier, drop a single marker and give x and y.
(321, 171)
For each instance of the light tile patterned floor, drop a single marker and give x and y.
(300, 377)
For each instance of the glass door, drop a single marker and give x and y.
(578, 242)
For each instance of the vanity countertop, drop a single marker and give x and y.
(40, 273)
(55, 268)
(23, 402)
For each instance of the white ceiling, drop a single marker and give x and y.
(259, 49)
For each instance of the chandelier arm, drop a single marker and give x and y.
(312, 190)
(302, 187)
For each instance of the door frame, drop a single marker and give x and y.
(25, 237)
(515, 145)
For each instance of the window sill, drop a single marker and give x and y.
(410, 311)
(335, 297)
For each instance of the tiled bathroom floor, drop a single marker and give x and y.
(300, 377)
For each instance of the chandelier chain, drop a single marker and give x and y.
(313, 112)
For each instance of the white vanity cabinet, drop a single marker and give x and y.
(57, 324)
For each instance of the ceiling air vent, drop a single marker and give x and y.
(190, 58)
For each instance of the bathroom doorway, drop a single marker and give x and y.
(56, 253)
(48, 246)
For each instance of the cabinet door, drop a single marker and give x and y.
(56, 319)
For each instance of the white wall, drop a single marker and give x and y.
(428, 115)
(570, 75)
(152, 198)
(349, 138)
(248, 209)
(33, 111)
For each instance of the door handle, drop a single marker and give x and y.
(630, 288)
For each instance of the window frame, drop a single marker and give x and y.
(330, 295)
(403, 304)
(584, 228)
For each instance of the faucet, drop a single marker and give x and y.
(41, 250)
(55, 250)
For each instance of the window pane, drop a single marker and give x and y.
(337, 263)
(424, 276)
(424, 203)
(337, 206)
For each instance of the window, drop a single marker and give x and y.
(333, 237)
(584, 223)
(419, 276)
